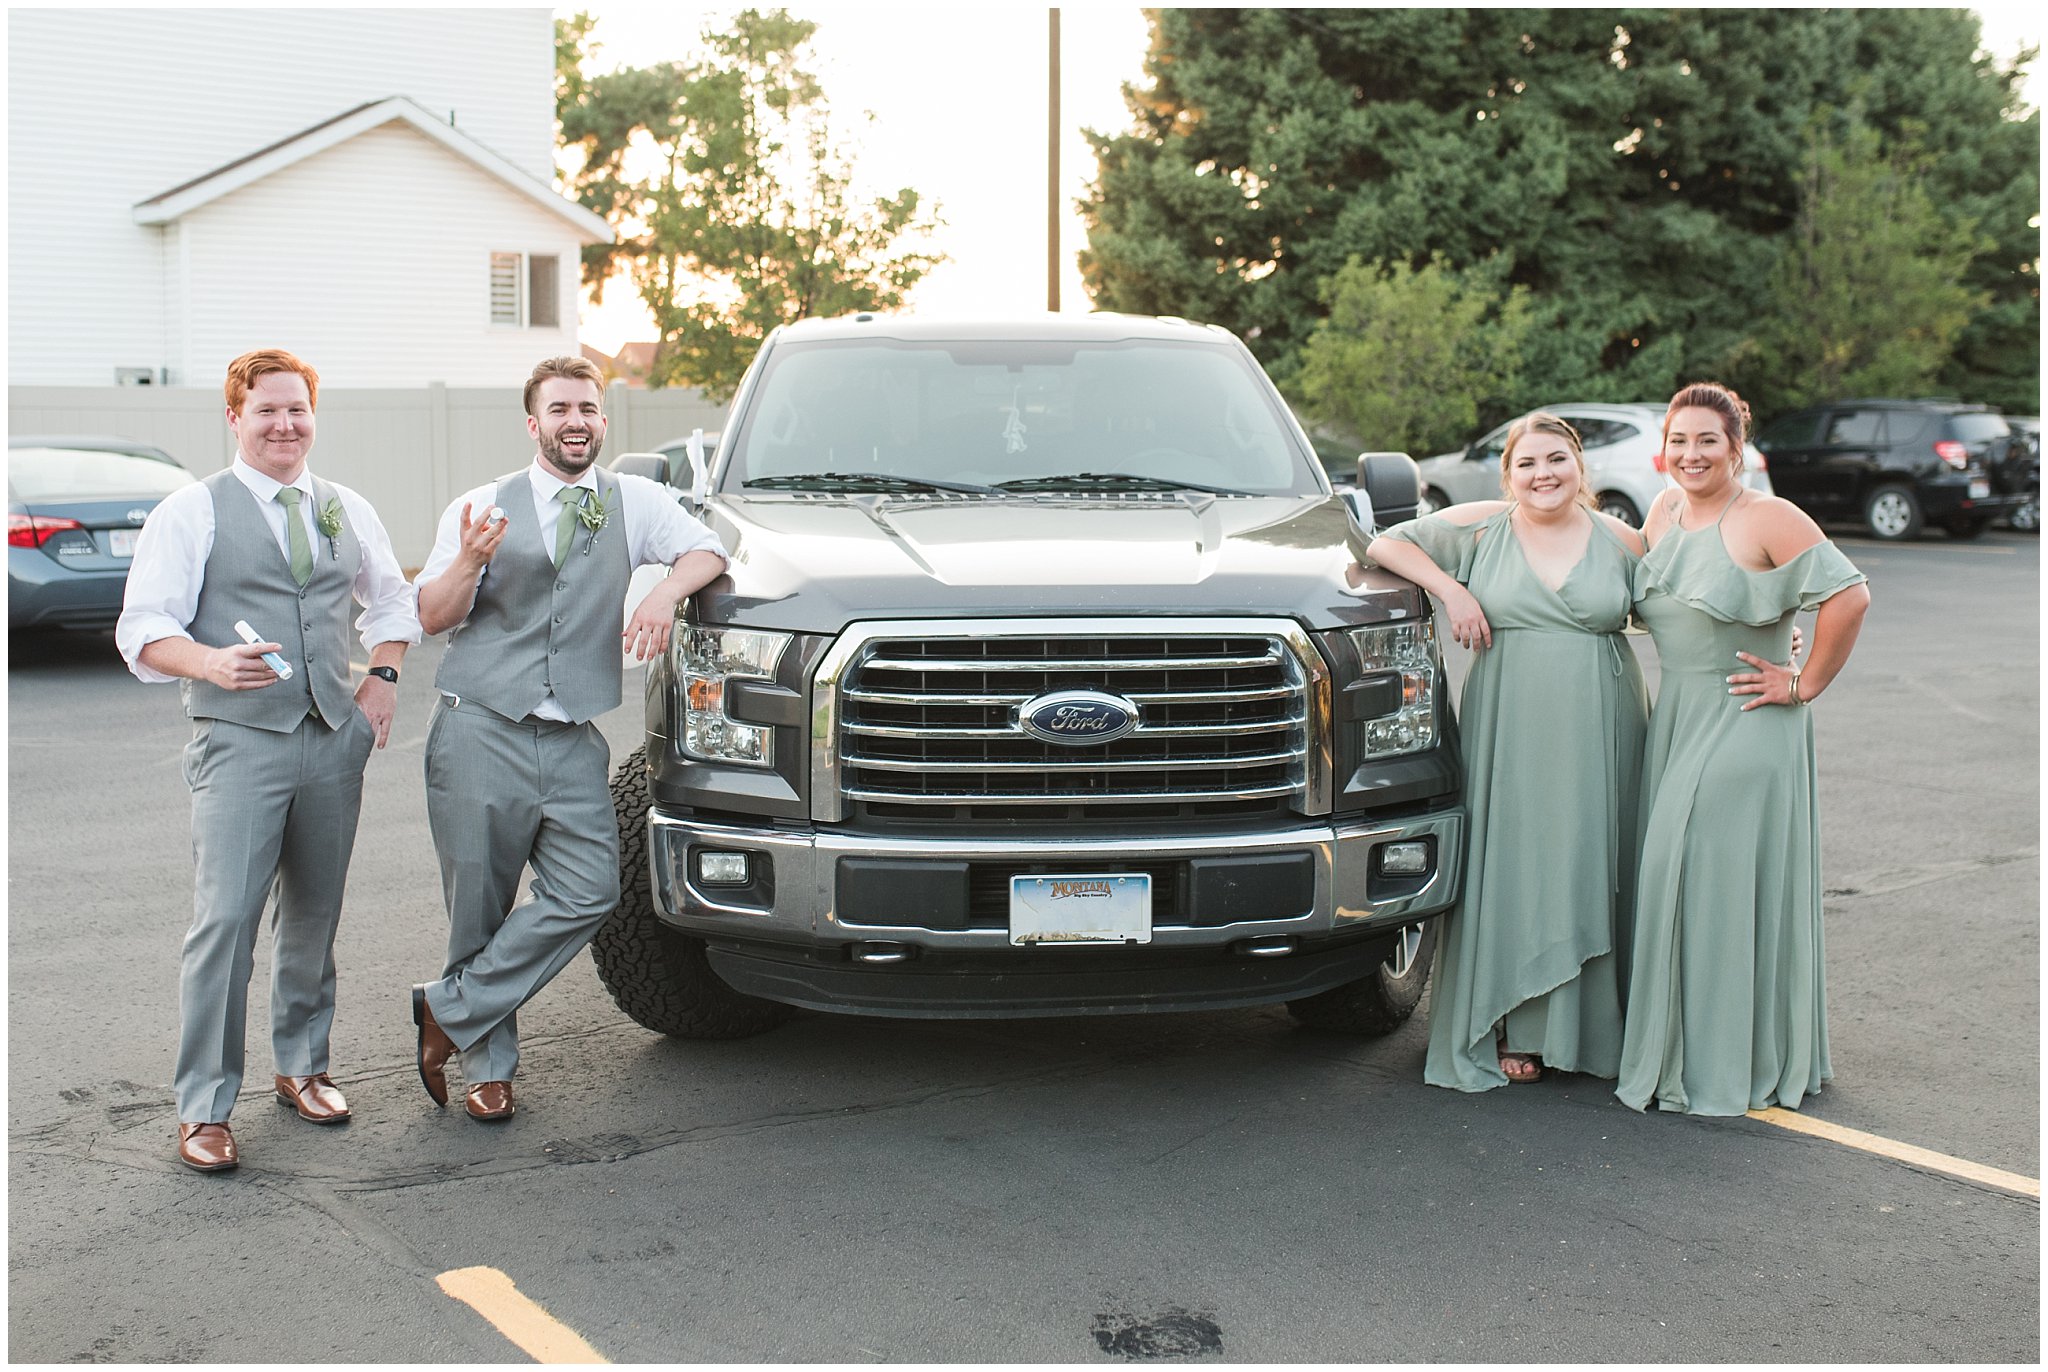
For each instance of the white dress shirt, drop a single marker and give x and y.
(657, 529)
(170, 566)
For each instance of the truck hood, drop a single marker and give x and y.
(815, 563)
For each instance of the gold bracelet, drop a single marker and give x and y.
(1795, 687)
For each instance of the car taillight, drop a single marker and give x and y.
(1953, 453)
(33, 531)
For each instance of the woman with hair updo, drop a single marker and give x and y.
(1727, 1004)
(1552, 719)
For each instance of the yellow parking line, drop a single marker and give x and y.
(1900, 1152)
(539, 1335)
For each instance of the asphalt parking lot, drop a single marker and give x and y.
(1216, 1187)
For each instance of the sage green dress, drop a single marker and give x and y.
(1727, 999)
(1552, 730)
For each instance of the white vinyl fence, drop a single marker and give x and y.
(409, 452)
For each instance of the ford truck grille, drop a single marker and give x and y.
(1224, 719)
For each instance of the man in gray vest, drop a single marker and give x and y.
(278, 737)
(529, 576)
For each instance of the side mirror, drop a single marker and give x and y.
(1392, 484)
(653, 466)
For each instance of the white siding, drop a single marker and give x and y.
(108, 108)
(371, 260)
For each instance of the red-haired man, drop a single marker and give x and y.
(279, 737)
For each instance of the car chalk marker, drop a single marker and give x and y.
(270, 660)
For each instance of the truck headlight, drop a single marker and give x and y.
(1408, 651)
(705, 658)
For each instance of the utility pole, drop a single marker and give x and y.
(1052, 162)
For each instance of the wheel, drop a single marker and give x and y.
(1622, 508)
(1892, 514)
(2026, 516)
(1380, 1003)
(1965, 528)
(1431, 501)
(658, 975)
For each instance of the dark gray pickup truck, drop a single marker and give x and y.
(1046, 679)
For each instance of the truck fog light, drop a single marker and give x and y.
(723, 869)
(1404, 859)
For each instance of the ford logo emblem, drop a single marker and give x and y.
(1077, 717)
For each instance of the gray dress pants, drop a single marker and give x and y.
(504, 795)
(270, 812)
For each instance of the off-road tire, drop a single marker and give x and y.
(1373, 1005)
(656, 974)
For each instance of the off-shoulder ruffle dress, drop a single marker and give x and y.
(1552, 729)
(1727, 997)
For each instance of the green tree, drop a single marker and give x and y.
(732, 202)
(1408, 357)
(1868, 295)
(1640, 167)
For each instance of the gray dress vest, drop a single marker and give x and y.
(249, 577)
(537, 630)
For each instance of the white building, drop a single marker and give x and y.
(371, 189)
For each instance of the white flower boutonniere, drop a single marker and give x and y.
(595, 515)
(329, 520)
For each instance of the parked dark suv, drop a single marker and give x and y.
(1893, 465)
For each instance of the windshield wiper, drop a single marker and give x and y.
(861, 481)
(1110, 481)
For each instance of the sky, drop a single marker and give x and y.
(958, 94)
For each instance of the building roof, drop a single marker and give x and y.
(229, 177)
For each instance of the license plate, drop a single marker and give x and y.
(121, 542)
(1980, 490)
(1116, 908)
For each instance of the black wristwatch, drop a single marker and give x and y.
(389, 674)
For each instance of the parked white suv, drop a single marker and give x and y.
(1622, 443)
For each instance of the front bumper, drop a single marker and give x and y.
(888, 925)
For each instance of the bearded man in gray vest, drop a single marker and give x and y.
(276, 761)
(529, 576)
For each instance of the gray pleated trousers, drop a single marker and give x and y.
(502, 796)
(271, 813)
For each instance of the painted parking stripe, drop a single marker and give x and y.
(1900, 1152)
(539, 1335)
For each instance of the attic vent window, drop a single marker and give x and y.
(525, 290)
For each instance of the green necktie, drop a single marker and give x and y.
(572, 498)
(295, 528)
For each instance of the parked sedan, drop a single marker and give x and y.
(1622, 442)
(74, 506)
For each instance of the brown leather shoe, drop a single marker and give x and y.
(316, 1098)
(435, 1047)
(489, 1100)
(207, 1147)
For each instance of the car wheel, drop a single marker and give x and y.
(1892, 514)
(2026, 517)
(658, 975)
(1382, 1002)
(1431, 501)
(1622, 508)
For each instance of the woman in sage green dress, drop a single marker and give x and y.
(1727, 1002)
(1552, 728)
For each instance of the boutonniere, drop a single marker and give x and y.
(329, 520)
(594, 515)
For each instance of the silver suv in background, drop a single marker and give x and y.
(1623, 444)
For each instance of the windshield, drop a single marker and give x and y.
(950, 415)
(88, 474)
